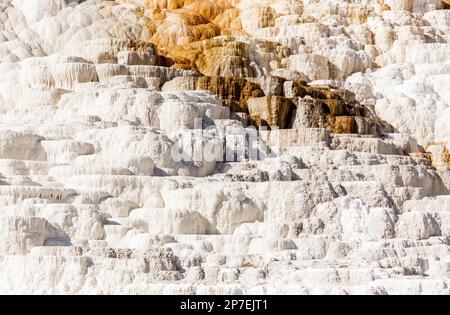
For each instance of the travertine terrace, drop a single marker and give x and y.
(225, 147)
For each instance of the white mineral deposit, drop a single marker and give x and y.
(225, 147)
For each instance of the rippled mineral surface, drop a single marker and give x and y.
(225, 147)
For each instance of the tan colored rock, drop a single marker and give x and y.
(277, 111)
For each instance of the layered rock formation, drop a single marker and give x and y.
(224, 147)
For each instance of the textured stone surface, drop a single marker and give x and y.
(130, 162)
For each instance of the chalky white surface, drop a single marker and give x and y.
(92, 201)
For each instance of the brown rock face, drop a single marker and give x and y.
(446, 4)
(234, 92)
(299, 106)
(335, 109)
(277, 111)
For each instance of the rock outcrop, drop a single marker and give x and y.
(224, 147)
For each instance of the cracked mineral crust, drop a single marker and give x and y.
(225, 147)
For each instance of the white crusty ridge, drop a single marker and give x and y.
(225, 147)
